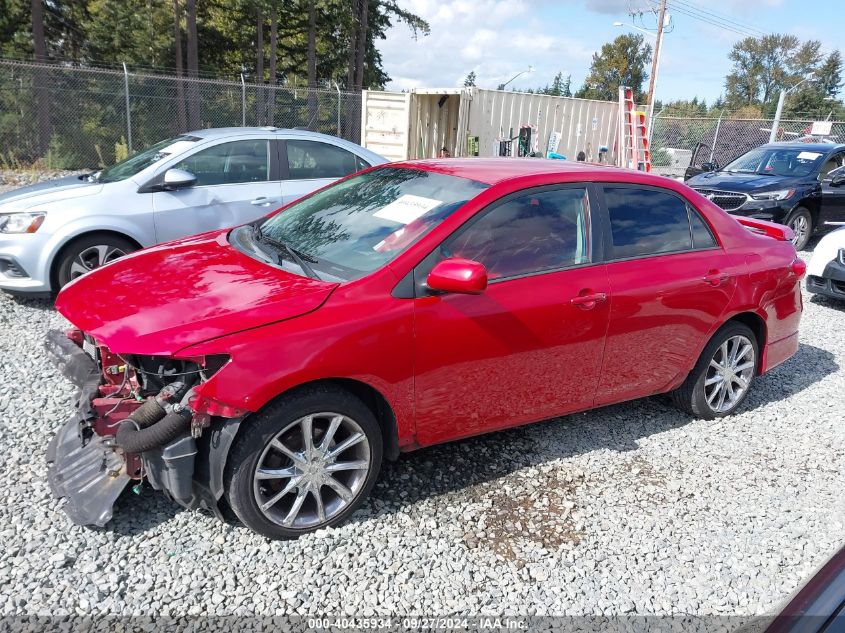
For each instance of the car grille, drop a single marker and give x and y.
(727, 200)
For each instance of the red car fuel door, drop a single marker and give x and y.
(530, 346)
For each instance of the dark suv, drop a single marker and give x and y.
(801, 185)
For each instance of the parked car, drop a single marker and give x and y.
(819, 606)
(411, 304)
(826, 271)
(53, 232)
(797, 184)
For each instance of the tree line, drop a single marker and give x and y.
(270, 42)
(761, 68)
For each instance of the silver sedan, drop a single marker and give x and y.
(53, 232)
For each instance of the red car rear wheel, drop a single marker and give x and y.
(722, 377)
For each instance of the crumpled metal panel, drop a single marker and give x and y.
(88, 475)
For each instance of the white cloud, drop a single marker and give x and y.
(494, 38)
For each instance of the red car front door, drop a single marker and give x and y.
(670, 282)
(528, 348)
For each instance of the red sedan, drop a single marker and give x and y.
(273, 366)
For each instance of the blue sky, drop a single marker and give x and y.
(498, 38)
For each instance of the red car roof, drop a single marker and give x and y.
(494, 170)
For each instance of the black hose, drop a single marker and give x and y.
(147, 414)
(137, 440)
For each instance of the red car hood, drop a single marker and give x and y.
(165, 298)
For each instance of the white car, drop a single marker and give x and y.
(826, 271)
(53, 232)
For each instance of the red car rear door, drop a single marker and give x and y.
(528, 348)
(670, 281)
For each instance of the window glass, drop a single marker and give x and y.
(701, 235)
(229, 163)
(528, 234)
(777, 162)
(360, 163)
(646, 222)
(357, 225)
(835, 162)
(313, 159)
(137, 163)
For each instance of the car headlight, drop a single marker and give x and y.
(20, 222)
(780, 194)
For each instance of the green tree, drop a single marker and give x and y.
(621, 62)
(829, 75)
(469, 81)
(763, 66)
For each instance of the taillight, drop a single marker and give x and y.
(799, 268)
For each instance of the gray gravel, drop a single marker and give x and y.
(629, 509)
(10, 179)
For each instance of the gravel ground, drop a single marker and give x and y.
(13, 179)
(630, 509)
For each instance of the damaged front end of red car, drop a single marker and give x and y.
(136, 418)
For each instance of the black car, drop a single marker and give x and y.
(801, 185)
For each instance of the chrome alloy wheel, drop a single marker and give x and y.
(800, 226)
(312, 470)
(94, 257)
(729, 374)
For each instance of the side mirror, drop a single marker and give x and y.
(837, 178)
(710, 166)
(178, 179)
(461, 276)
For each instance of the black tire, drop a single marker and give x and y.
(801, 223)
(252, 448)
(691, 396)
(82, 248)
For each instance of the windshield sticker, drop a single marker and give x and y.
(808, 155)
(175, 148)
(405, 209)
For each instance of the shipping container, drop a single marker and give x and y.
(480, 122)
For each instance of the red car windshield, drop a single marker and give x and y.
(357, 225)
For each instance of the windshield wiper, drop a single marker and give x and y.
(299, 258)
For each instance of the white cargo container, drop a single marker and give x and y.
(474, 121)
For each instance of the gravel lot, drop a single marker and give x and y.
(629, 509)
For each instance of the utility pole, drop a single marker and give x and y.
(655, 62)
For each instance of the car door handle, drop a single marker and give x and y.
(716, 278)
(588, 301)
(263, 201)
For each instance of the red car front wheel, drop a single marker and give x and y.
(306, 462)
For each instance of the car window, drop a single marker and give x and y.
(834, 162)
(702, 237)
(139, 162)
(646, 222)
(777, 162)
(528, 234)
(230, 163)
(313, 159)
(357, 225)
(360, 163)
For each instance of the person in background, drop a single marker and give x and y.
(443, 153)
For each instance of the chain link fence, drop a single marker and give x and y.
(67, 117)
(678, 141)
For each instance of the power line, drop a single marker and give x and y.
(702, 18)
(693, 11)
(719, 17)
